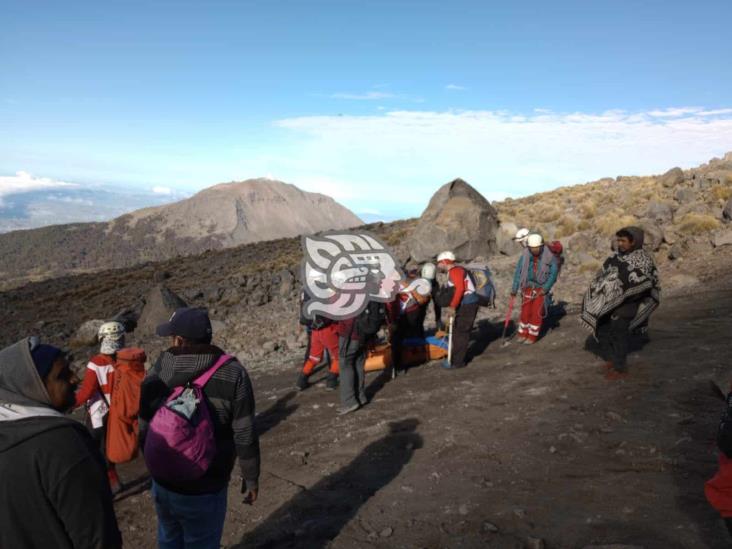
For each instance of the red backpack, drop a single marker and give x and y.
(122, 422)
(557, 249)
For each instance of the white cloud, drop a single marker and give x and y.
(404, 156)
(162, 190)
(23, 182)
(366, 96)
(455, 87)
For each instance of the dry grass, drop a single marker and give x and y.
(613, 221)
(723, 192)
(697, 223)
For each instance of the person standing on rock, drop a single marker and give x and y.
(621, 299)
(191, 510)
(462, 308)
(96, 390)
(53, 487)
(323, 335)
(535, 275)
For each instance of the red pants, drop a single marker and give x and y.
(532, 310)
(325, 338)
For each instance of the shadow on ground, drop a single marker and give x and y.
(316, 515)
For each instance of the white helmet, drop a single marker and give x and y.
(428, 271)
(112, 330)
(446, 256)
(521, 235)
(534, 241)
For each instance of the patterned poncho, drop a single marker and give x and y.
(622, 277)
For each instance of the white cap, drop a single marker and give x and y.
(521, 234)
(534, 241)
(428, 271)
(446, 256)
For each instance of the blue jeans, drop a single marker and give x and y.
(189, 522)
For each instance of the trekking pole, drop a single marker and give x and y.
(508, 319)
(449, 341)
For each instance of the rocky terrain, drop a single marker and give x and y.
(219, 217)
(524, 447)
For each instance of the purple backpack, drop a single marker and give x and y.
(180, 443)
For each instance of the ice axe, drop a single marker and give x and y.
(508, 319)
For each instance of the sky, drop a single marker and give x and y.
(376, 103)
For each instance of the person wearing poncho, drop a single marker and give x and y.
(621, 299)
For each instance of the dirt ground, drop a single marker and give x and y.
(525, 444)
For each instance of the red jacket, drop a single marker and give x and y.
(459, 278)
(98, 378)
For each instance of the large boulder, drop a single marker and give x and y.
(505, 239)
(458, 218)
(86, 334)
(653, 234)
(685, 195)
(160, 304)
(672, 177)
(727, 211)
(722, 238)
(661, 212)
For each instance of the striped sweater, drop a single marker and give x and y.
(231, 397)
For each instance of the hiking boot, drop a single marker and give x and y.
(344, 411)
(331, 382)
(302, 382)
(615, 375)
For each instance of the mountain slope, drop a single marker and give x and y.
(219, 217)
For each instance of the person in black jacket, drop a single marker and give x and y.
(191, 513)
(53, 482)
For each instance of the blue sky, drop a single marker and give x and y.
(376, 103)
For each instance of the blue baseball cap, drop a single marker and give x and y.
(187, 322)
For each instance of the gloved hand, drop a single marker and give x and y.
(250, 493)
(448, 313)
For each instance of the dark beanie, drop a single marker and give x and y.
(44, 357)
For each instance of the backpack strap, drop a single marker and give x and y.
(205, 376)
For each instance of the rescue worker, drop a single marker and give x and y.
(462, 309)
(536, 272)
(522, 236)
(322, 337)
(411, 308)
(96, 390)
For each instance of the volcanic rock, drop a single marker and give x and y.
(458, 218)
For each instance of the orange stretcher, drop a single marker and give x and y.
(378, 357)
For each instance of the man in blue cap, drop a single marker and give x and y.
(191, 513)
(53, 484)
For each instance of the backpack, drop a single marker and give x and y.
(370, 320)
(724, 431)
(485, 287)
(180, 443)
(557, 249)
(122, 421)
